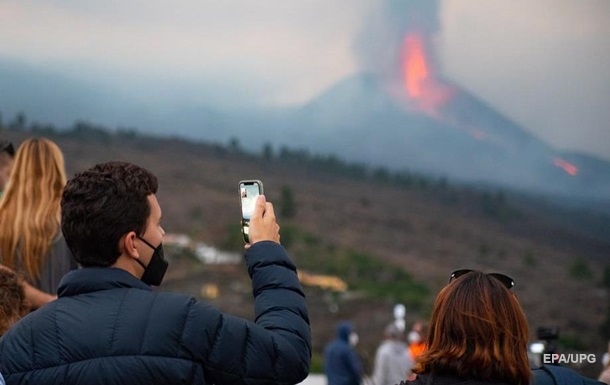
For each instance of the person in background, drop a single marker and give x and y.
(392, 360)
(31, 242)
(7, 154)
(478, 333)
(416, 339)
(12, 300)
(342, 365)
(604, 376)
(109, 327)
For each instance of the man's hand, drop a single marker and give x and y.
(263, 226)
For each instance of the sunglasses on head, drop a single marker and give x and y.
(7, 147)
(507, 281)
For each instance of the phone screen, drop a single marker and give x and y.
(249, 190)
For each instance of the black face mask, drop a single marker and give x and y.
(154, 272)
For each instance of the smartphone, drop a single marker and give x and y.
(249, 190)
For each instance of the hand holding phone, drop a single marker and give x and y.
(258, 217)
(263, 226)
(249, 190)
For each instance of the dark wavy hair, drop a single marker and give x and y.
(100, 205)
(477, 331)
(13, 304)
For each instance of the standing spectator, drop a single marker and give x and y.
(392, 360)
(31, 242)
(12, 300)
(7, 154)
(342, 365)
(417, 339)
(478, 333)
(109, 327)
(605, 374)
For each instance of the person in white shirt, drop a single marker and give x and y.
(393, 361)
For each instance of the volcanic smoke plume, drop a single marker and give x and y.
(380, 45)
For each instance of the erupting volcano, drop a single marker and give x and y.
(429, 94)
(401, 112)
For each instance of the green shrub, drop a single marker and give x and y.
(317, 363)
(529, 260)
(579, 269)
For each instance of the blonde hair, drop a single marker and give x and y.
(30, 205)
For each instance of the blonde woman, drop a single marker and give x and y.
(30, 236)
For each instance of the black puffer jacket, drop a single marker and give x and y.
(107, 327)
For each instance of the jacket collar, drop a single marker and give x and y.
(91, 279)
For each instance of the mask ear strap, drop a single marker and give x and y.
(147, 243)
(140, 263)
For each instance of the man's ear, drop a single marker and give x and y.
(127, 245)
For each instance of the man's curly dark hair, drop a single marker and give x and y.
(100, 205)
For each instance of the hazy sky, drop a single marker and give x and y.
(544, 63)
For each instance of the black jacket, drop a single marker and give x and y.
(107, 327)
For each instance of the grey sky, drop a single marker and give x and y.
(544, 63)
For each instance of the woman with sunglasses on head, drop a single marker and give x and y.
(31, 242)
(478, 334)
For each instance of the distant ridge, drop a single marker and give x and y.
(356, 119)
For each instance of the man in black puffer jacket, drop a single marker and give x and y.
(109, 327)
